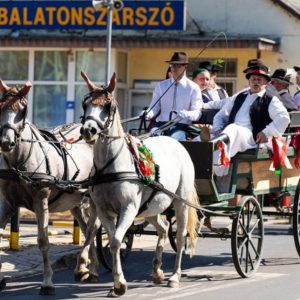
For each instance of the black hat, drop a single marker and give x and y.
(297, 69)
(179, 58)
(257, 67)
(280, 75)
(205, 65)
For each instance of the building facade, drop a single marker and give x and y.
(52, 58)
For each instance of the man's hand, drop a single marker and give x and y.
(261, 138)
(144, 115)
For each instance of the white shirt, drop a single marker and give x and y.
(277, 111)
(183, 97)
(213, 92)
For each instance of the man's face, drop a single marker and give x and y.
(202, 79)
(257, 83)
(279, 86)
(177, 70)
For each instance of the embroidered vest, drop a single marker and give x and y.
(259, 114)
(206, 96)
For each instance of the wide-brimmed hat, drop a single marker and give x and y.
(281, 76)
(297, 68)
(179, 58)
(257, 67)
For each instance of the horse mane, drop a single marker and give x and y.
(15, 98)
(118, 120)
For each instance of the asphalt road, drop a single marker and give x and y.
(209, 275)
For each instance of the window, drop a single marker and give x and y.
(51, 66)
(91, 62)
(50, 88)
(122, 67)
(49, 105)
(14, 65)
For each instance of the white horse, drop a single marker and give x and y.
(28, 160)
(117, 190)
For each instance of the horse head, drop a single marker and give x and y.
(99, 108)
(13, 112)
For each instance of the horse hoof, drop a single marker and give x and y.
(2, 284)
(159, 277)
(47, 290)
(93, 278)
(117, 292)
(173, 284)
(83, 276)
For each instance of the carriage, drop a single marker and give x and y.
(249, 177)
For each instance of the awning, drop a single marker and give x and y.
(258, 43)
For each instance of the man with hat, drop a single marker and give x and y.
(175, 96)
(280, 80)
(297, 94)
(214, 91)
(251, 116)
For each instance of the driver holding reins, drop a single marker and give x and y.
(177, 96)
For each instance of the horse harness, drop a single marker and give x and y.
(16, 173)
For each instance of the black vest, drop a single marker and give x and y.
(259, 114)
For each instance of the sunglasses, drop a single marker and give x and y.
(176, 65)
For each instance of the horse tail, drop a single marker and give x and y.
(193, 222)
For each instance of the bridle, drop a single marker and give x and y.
(105, 100)
(12, 100)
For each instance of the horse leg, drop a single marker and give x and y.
(181, 221)
(125, 221)
(88, 255)
(162, 227)
(42, 215)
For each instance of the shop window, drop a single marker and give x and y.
(14, 65)
(51, 66)
(122, 67)
(49, 107)
(91, 62)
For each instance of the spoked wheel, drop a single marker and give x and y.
(103, 247)
(247, 237)
(296, 219)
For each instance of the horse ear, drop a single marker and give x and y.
(3, 86)
(90, 84)
(112, 83)
(25, 89)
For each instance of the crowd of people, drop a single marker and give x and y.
(249, 117)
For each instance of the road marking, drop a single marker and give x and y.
(217, 280)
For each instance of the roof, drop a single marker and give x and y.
(292, 6)
(157, 41)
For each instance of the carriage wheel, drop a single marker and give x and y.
(296, 219)
(247, 237)
(103, 247)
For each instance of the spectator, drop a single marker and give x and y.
(215, 91)
(202, 78)
(176, 96)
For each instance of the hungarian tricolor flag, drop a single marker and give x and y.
(224, 158)
(279, 158)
